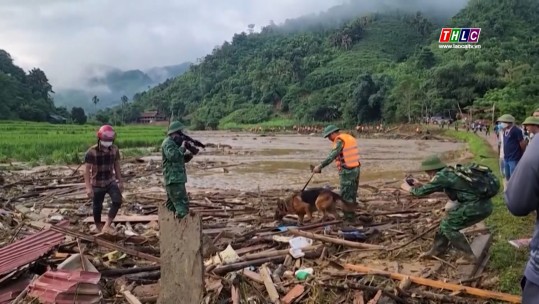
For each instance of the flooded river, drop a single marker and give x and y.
(282, 161)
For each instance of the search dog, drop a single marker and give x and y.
(308, 201)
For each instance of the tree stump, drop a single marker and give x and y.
(182, 266)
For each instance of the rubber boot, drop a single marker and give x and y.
(438, 247)
(461, 244)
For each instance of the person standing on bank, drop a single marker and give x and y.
(522, 199)
(532, 125)
(345, 153)
(514, 144)
(175, 156)
(102, 175)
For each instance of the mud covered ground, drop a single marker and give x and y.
(235, 185)
(246, 161)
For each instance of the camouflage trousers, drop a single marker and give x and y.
(349, 179)
(177, 199)
(466, 215)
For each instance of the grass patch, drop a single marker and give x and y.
(506, 261)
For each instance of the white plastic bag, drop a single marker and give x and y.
(451, 205)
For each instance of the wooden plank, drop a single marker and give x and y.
(126, 218)
(130, 298)
(480, 246)
(182, 266)
(293, 294)
(253, 276)
(480, 270)
(487, 294)
(270, 287)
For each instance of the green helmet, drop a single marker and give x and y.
(175, 126)
(531, 121)
(432, 162)
(330, 129)
(507, 118)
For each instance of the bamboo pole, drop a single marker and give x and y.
(438, 284)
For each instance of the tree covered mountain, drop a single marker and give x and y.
(382, 66)
(24, 95)
(111, 84)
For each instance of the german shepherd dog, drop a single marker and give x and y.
(306, 202)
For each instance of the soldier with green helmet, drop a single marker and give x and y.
(532, 125)
(175, 156)
(345, 153)
(467, 206)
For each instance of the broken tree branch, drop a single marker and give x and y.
(432, 227)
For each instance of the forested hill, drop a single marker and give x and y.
(380, 66)
(24, 95)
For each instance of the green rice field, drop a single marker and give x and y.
(49, 143)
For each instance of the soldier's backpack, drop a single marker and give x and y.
(480, 178)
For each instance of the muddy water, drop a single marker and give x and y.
(282, 161)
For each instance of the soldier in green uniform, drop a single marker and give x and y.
(175, 156)
(466, 206)
(345, 153)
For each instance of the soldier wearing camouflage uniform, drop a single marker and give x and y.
(465, 209)
(175, 156)
(345, 153)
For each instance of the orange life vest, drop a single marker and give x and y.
(349, 157)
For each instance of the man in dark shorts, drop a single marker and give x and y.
(103, 175)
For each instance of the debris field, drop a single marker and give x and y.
(49, 253)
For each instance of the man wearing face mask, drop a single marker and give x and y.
(469, 204)
(175, 156)
(532, 125)
(514, 144)
(102, 176)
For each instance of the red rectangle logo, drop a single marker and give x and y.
(445, 35)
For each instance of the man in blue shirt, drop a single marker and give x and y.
(513, 143)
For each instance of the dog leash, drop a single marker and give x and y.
(307, 183)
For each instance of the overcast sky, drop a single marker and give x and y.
(64, 37)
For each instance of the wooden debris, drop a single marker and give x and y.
(438, 284)
(480, 247)
(127, 218)
(376, 298)
(335, 240)
(358, 297)
(270, 287)
(295, 292)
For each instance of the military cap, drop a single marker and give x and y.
(330, 129)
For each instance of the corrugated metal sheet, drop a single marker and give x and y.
(67, 287)
(29, 249)
(12, 289)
